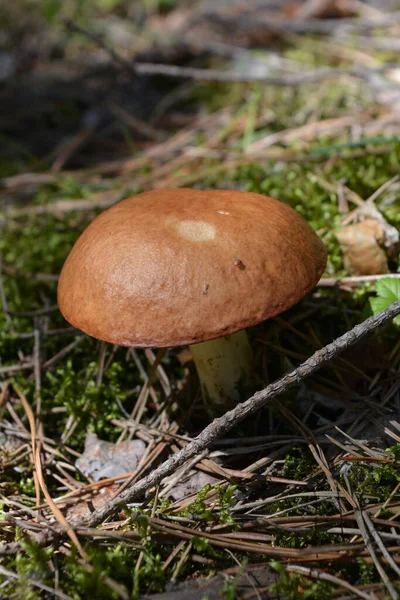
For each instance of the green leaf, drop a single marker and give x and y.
(388, 287)
(388, 291)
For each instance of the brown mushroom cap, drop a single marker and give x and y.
(180, 266)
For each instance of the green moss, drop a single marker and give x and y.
(116, 562)
(31, 564)
(378, 480)
(298, 465)
(198, 509)
(314, 537)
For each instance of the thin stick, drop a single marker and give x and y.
(246, 77)
(317, 574)
(288, 24)
(364, 534)
(100, 370)
(379, 543)
(385, 186)
(356, 280)
(222, 425)
(124, 64)
(38, 465)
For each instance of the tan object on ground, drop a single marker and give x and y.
(368, 245)
(361, 247)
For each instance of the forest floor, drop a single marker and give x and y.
(101, 99)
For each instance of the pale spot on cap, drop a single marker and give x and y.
(196, 231)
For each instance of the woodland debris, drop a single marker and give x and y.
(362, 248)
(368, 245)
(103, 459)
(252, 581)
(84, 508)
(193, 484)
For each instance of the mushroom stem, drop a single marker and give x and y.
(224, 366)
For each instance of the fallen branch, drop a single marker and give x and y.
(222, 425)
(277, 24)
(103, 199)
(121, 62)
(246, 77)
(354, 280)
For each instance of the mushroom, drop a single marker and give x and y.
(179, 266)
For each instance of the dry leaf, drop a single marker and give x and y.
(84, 508)
(196, 481)
(361, 247)
(103, 459)
(367, 245)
